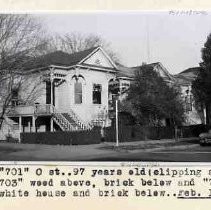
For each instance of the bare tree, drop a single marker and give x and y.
(75, 42)
(21, 38)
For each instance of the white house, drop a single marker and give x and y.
(64, 92)
(184, 81)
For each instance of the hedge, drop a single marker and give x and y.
(63, 137)
(194, 130)
(136, 133)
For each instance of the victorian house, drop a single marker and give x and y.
(63, 92)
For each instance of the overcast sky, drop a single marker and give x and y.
(173, 40)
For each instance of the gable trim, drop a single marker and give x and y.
(104, 53)
(108, 57)
(88, 56)
(96, 68)
(166, 71)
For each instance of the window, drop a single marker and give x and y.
(14, 99)
(48, 93)
(97, 88)
(78, 92)
(188, 103)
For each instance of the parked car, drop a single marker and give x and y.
(205, 138)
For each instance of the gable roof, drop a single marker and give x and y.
(190, 73)
(187, 76)
(79, 56)
(130, 71)
(124, 71)
(193, 70)
(183, 80)
(61, 58)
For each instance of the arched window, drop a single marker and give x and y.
(78, 92)
(78, 82)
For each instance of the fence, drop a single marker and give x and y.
(136, 133)
(63, 137)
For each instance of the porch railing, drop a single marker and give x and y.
(43, 109)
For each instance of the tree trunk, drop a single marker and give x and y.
(1, 121)
(207, 113)
(175, 132)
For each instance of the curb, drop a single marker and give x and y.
(164, 148)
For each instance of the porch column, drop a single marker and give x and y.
(52, 85)
(29, 126)
(33, 124)
(20, 127)
(51, 124)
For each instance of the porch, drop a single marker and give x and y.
(31, 118)
(44, 118)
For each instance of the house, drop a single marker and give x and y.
(184, 81)
(66, 92)
(63, 91)
(126, 75)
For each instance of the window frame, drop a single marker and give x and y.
(78, 93)
(95, 99)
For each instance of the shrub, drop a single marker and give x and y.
(63, 137)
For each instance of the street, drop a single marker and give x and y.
(195, 154)
(186, 150)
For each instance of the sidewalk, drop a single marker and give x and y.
(29, 152)
(152, 145)
(154, 142)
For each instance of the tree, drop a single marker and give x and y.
(151, 100)
(75, 42)
(21, 38)
(201, 87)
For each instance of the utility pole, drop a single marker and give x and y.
(52, 104)
(117, 126)
(148, 40)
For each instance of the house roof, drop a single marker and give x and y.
(61, 58)
(125, 71)
(187, 76)
(182, 80)
(193, 70)
(130, 71)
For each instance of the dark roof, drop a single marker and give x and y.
(183, 80)
(130, 71)
(77, 57)
(61, 58)
(187, 76)
(193, 70)
(125, 71)
(151, 64)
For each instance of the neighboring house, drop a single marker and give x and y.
(125, 77)
(64, 92)
(184, 80)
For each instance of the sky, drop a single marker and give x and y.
(173, 38)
